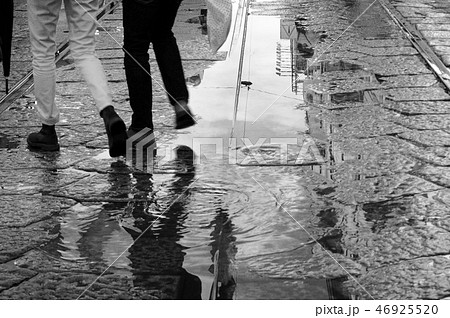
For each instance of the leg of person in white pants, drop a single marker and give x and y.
(42, 19)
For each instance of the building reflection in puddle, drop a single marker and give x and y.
(296, 47)
(337, 85)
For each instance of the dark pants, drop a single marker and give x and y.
(144, 24)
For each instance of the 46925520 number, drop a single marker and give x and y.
(407, 309)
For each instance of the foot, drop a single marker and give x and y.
(44, 140)
(183, 116)
(116, 131)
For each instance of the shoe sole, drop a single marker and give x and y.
(43, 147)
(118, 138)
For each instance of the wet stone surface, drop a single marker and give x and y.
(389, 170)
(376, 209)
(37, 190)
(431, 19)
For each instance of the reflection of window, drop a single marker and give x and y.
(346, 97)
(322, 152)
(301, 64)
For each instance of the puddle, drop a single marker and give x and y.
(268, 111)
(337, 82)
(265, 107)
(222, 207)
(261, 218)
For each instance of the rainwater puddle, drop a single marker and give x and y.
(257, 228)
(260, 218)
(177, 222)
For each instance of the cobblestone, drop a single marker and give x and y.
(381, 199)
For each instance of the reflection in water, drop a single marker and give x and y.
(223, 242)
(337, 83)
(297, 45)
(196, 79)
(138, 233)
(265, 235)
(156, 256)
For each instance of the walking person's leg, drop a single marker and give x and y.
(42, 19)
(169, 61)
(136, 18)
(82, 26)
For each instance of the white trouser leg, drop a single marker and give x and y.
(42, 19)
(82, 26)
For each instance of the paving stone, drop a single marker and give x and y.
(411, 12)
(412, 94)
(11, 276)
(446, 59)
(438, 42)
(414, 279)
(437, 175)
(424, 122)
(433, 27)
(427, 137)
(386, 51)
(21, 210)
(427, 80)
(37, 181)
(396, 65)
(391, 44)
(436, 34)
(381, 188)
(420, 107)
(71, 286)
(17, 241)
(411, 4)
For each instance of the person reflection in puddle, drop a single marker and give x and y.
(156, 257)
(139, 235)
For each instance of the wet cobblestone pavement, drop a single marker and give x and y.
(377, 209)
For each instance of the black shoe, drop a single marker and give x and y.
(116, 131)
(45, 140)
(184, 119)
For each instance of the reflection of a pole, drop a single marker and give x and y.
(241, 63)
(215, 286)
(235, 28)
